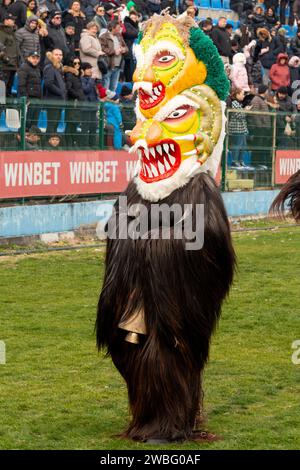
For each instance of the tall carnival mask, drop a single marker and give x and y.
(180, 108)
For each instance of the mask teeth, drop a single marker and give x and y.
(158, 160)
(150, 94)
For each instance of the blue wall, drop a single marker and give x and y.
(248, 203)
(34, 220)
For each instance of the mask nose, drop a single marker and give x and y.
(154, 133)
(149, 130)
(147, 76)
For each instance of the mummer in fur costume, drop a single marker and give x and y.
(162, 294)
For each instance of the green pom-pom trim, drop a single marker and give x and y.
(206, 51)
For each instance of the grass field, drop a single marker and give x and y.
(56, 392)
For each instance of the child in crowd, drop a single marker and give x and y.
(54, 142)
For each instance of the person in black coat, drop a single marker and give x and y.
(257, 19)
(19, 10)
(54, 84)
(73, 80)
(9, 53)
(77, 17)
(267, 50)
(4, 6)
(54, 88)
(130, 35)
(271, 19)
(99, 18)
(29, 77)
(222, 40)
(75, 94)
(206, 26)
(281, 40)
(70, 37)
(56, 34)
(30, 86)
(89, 114)
(242, 36)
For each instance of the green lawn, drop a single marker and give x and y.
(56, 392)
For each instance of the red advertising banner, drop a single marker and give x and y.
(58, 173)
(24, 174)
(287, 163)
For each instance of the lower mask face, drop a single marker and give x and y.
(184, 138)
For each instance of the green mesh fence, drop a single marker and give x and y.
(249, 150)
(251, 143)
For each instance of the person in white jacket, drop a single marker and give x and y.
(90, 47)
(239, 74)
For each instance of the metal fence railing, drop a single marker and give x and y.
(252, 140)
(71, 125)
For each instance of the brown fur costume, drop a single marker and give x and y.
(181, 293)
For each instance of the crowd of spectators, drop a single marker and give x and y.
(77, 52)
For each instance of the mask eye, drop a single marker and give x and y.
(164, 58)
(177, 113)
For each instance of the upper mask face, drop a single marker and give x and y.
(180, 118)
(165, 67)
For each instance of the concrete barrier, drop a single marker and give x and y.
(25, 220)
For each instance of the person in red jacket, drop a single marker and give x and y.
(280, 73)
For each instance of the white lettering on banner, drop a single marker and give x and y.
(130, 169)
(289, 166)
(31, 174)
(93, 172)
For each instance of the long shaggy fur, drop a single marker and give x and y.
(290, 195)
(181, 293)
